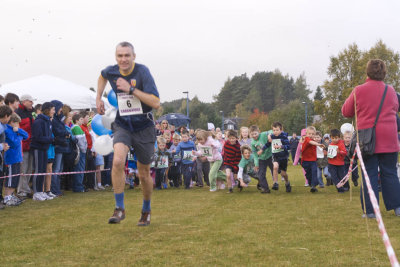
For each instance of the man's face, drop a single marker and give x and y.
(335, 139)
(232, 140)
(310, 133)
(185, 138)
(28, 104)
(276, 130)
(246, 154)
(125, 58)
(86, 119)
(255, 134)
(347, 139)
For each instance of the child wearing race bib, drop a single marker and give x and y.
(336, 154)
(184, 149)
(246, 167)
(211, 149)
(162, 161)
(174, 173)
(280, 153)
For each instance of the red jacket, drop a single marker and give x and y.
(88, 136)
(341, 154)
(368, 97)
(308, 151)
(26, 125)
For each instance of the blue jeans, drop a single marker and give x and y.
(319, 175)
(389, 181)
(77, 182)
(310, 167)
(55, 179)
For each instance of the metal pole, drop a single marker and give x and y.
(222, 123)
(187, 106)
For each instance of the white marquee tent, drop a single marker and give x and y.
(46, 88)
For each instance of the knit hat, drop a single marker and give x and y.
(326, 136)
(47, 105)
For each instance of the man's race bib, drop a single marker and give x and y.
(162, 162)
(206, 151)
(187, 155)
(129, 105)
(276, 145)
(332, 151)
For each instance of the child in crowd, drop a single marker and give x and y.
(13, 158)
(309, 158)
(279, 143)
(5, 113)
(354, 175)
(244, 138)
(174, 173)
(162, 161)
(211, 149)
(168, 138)
(232, 157)
(336, 154)
(322, 162)
(132, 169)
(246, 167)
(41, 140)
(184, 149)
(77, 184)
(262, 159)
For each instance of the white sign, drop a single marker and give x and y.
(276, 145)
(206, 151)
(187, 155)
(162, 162)
(332, 151)
(129, 105)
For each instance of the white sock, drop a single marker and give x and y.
(98, 184)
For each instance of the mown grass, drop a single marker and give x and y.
(198, 228)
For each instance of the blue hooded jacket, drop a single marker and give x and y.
(41, 133)
(13, 139)
(61, 140)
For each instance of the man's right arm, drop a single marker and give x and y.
(101, 85)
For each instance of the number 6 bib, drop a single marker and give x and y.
(129, 105)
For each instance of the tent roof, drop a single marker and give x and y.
(46, 88)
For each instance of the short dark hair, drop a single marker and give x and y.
(185, 132)
(37, 107)
(5, 111)
(277, 124)
(245, 147)
(376, 69)
(10, 98)
(1, 98)
(335, 133)
(127, 44)
(76, 117)
(318, 133)
(254, 128)
(84, 113)
(232, 133)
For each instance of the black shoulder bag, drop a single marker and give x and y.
(366, 137)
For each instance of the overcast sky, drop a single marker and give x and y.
(188, 45)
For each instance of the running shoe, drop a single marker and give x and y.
(144, 219)
(118, 216)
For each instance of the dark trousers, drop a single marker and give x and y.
(310, 167)
(203, 168)
(354, 174)
(106, 175)
(89, 178)
(262, 171)
(39, 165)
(66, 180)
(160, 177)
(389, 181)
(187, 171)
(174, 174)
(337, 173)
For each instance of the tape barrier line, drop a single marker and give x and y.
(374, 202)
(347, 177)
(51, 173)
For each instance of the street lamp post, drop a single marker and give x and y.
(222, 124)
(187, 106)
(305, 112)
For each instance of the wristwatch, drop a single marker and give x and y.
(131, 90)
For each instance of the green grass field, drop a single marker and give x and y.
(198, 228)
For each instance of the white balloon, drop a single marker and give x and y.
(103, 145)
(346, 127)
(109, 117)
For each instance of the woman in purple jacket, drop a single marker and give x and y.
(368, 98)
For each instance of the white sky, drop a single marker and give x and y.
(188, 45)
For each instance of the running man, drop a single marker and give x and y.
(137, 95)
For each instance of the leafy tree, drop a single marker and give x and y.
(318, 94)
